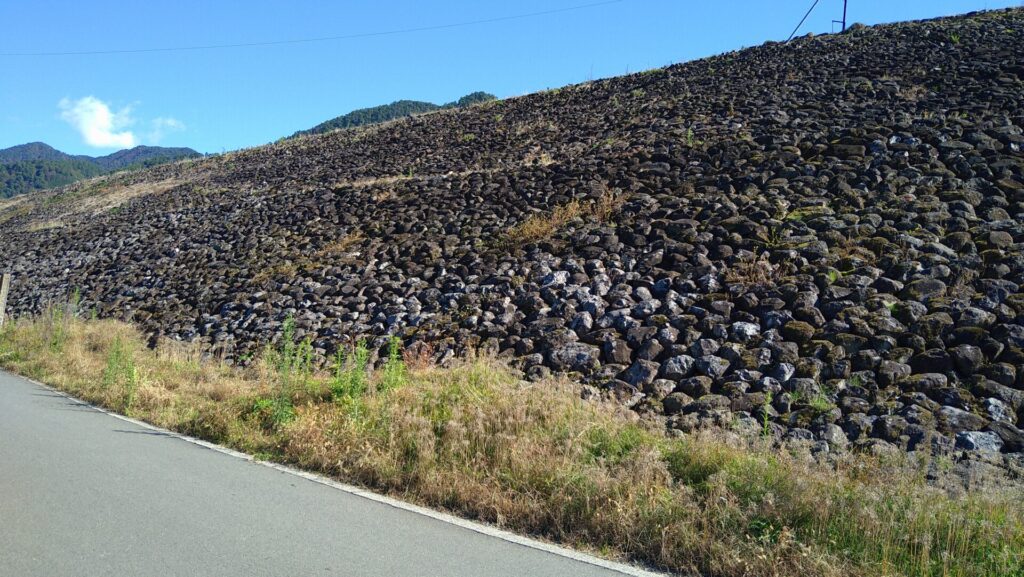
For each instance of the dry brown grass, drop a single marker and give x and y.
(9, 203)
(14, 207)
(757, 271)
(912, 93)
(535, 458)
(337, 251)
(44, 225)
(105, 198)
(419, 356)
(541, 227)
(607, 206)
(84, 198)
(282, 270)
(545, 226)
(539, 157)
(341, 245)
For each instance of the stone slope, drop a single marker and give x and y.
(819, 240)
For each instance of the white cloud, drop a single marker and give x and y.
(98, 125)
(163, 125)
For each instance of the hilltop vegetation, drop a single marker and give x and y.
(34, 151)
(38, 166)
(143, 157)
(27, 175)
(398, 109)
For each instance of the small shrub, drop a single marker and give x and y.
(912, 93)
(292, 363)
(270, 413)
(820, 403)
(121, 376)
(8, 350)
(393, 374)
(693, 464)
(766, 417)
(349, 380)
(57, 328)
(806, 213)
(58, 320)
(613, 447)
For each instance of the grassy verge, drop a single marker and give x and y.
(475, 440)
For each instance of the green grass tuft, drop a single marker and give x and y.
(535, 458)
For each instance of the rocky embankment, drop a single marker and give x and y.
(819, 240)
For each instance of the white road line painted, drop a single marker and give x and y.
(475, 526)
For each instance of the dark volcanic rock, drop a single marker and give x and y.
(711, 366)
(575, 357)
(677, 367)
(798, 331)
(1012, 438)
(924, 290)
(641, 373)
(842, 253)
(979, 441)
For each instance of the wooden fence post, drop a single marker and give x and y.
(5, 287)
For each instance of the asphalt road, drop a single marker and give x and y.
(83, 494)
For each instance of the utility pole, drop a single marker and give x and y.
(843, 21)
(5, 286)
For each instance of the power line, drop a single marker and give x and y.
(323, 38)
(811, 9)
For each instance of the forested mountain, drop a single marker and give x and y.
(142, 156)
(33, 151)
(386, 112)
(28, 175)
(38, 166)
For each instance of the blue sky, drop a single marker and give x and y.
(224, 99)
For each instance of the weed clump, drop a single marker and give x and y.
(292, 363)
(121, 374)
(536, 458)
(349, 380)
(393, 373)
(537, 228)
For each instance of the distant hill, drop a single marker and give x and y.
(143, 156)
(386, 112)
(28, 175)
(33, 151)
(38, 166)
